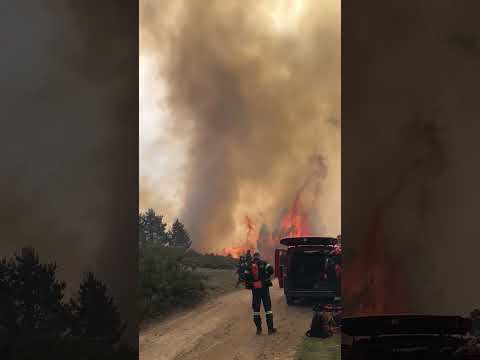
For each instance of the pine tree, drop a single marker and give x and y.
(95, 315)
(36, 323)
(152, 229)
(35, 296)
(179, 237)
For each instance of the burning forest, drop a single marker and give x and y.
(246, 95)
(296, 220)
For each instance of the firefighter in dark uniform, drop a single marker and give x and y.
(241, 266)
(257, 277)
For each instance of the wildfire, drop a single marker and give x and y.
(235, 251)
(296, 221)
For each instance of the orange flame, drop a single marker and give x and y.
(235, 251)
(296, 222)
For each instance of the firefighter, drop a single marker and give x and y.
(241, 266)
(248, 257)
(257, 277)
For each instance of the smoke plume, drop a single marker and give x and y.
(255, 87)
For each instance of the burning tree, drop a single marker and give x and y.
(294, 221)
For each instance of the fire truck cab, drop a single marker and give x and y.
(309, 268)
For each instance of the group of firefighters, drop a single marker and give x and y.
(256, 274)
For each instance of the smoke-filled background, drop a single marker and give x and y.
(240, 117)
(410, 152)
(69, 147)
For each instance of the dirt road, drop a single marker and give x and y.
(223, 329)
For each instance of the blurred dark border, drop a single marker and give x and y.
(410, 153)
(69, 135)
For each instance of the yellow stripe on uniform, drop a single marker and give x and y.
(268, 312)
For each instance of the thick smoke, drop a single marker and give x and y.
(255, 86)
(410, 144)
(69, 155)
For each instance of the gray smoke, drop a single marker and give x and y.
(256, 104)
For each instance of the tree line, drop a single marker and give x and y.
(153, 231)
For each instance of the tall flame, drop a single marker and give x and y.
(235, 251)
(296, 221)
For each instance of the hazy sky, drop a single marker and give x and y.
(162, 170)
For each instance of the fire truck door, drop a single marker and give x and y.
(280, 265)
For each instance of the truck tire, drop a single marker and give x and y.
(290, 300)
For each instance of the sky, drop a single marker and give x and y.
(161, 171)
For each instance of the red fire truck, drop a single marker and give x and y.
(309, 267)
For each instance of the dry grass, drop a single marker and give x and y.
(320, 349)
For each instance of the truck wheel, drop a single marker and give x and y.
(289, 300)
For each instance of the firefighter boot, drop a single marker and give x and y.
(258, 323)
(271, 329)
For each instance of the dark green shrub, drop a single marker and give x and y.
(166, 283)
